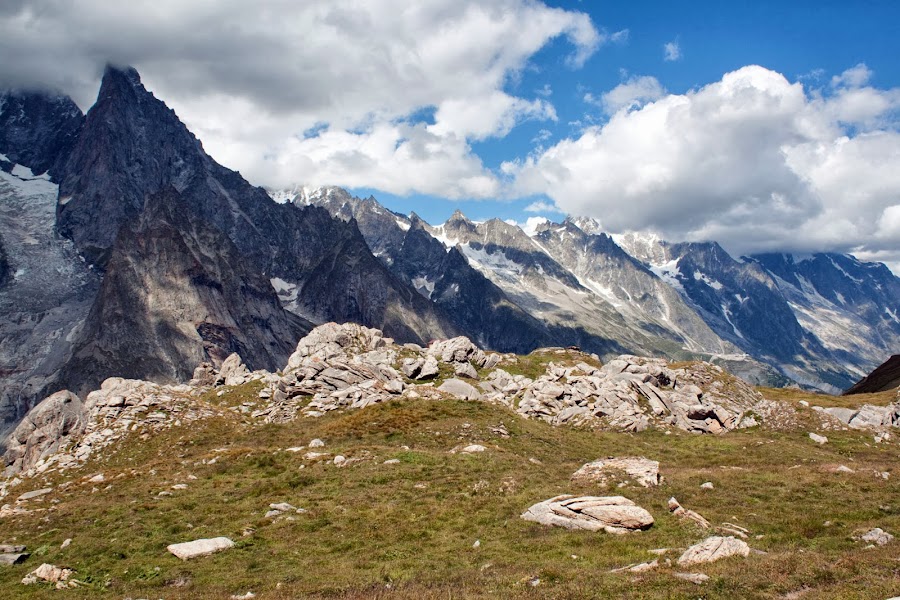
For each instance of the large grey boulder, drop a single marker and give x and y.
(55, 421)
(712, 549)
(233, 371)
(612, 514)
(460, 389)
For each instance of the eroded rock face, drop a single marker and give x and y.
(645, 472)
(49, 425)
(712, 549)
(612, 514)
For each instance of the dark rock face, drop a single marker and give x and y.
(477, 306)
(739, 300)
(177, 293)
(133, 145)
(4, 265)
(38, 130)
(885, 377)
(651, 304)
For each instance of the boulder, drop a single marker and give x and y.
(458, 350)
(712, 549)
(819, 439)
(233, 371)
(429, 370)
(55, 421)
(645, 472)
(460, 389)
(612, 514)
(202, 547)
(877, 536)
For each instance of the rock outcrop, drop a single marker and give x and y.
(644, 472)
(630, 393)
(612, 514)
(340, 367)
(118, 408)
(59, 419)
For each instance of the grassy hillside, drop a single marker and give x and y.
(406, 530)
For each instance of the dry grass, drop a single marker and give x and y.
(406, 530)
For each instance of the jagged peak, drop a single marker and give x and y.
(458, 216)
(117, 78)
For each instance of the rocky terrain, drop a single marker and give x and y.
(472, 457)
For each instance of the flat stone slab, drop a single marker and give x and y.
(203, 547)
(35, 494)
(11, 548)
(12, 559)
(712, 549)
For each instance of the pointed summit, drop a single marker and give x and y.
(458, 216)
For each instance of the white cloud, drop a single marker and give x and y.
(247, 76)
(630, 94)
(857, 76)
(753, 161)
(541, 206)
(672, 51)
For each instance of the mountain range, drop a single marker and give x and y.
(126, 250)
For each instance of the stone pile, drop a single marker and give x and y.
(868, 416)
(335, 367)
(630, 393)
(46, 440)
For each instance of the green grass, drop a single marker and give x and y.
(407, 530)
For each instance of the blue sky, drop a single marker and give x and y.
(522, 108)
(805, 40)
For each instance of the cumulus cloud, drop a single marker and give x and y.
(672, 51)
(754, 161)
(632, 93)
(246, 77)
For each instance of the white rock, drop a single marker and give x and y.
(202, 547)
(66, 543)
(613, 514)
(460, 389)
(49, 573)
(877, 536)
(819, 439)
(473, 448)
(707, 486)
(698, 578)
(339, 460)
(317, 443)
(645, 472)
(712, 549)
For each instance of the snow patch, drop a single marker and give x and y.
(402, 224)
(670, 273)
(698, 276)
(422, 283)
(287, 292)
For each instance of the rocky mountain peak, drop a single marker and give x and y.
(38, 129)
